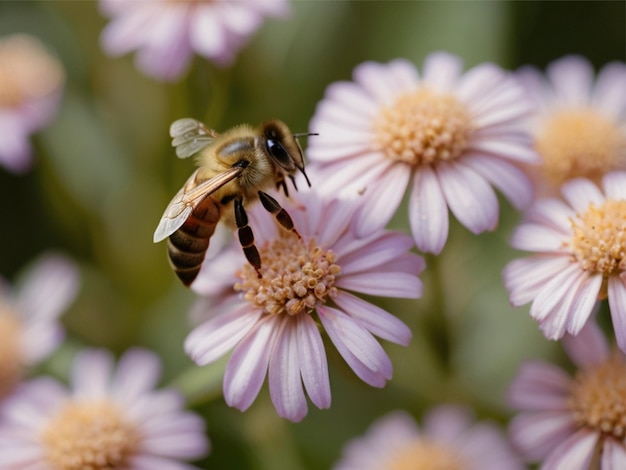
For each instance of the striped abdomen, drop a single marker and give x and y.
(188, 245)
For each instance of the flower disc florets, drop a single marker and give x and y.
(296, 275)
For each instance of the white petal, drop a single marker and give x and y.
(394, 284)
(91, 373)
(585, 298)
(609, 92)
(588, 347)
(428, 212)
(537, 434)
(613, 454)
(617, 304)
(571, 77)
(554, 291)
(539, 239)
(373, 252)
(377, 80)
(442, 70)
(614, 185)
(137, 372)
(525, 277)
(313, 362)
(470, 198)
(573, 454)
(580, 193)
(540, 386)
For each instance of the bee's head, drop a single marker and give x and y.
(283, 148)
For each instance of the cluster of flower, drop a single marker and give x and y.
(452, 137)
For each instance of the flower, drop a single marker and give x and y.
(580, 257)
(273, 322)
(29, 330)
(449, 440)
(167, 32)
(31, 82)
(573, 422)
(580, 129)
(106, 420)
(448, 136)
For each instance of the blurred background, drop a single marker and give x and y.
(104, 171)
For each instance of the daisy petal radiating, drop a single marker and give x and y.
(538, 434)
(428, 212)
(61, 428)
(426, 128)
(613, 455)
(573, 454)
(588, 347)
(313, 364)
(576, 260)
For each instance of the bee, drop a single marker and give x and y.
(234, 170)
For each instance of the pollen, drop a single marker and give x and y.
(598, 398)
(424, 453)
(10, 353)
(296, 276)
(599, 238)
(89, 435)
(580, 143)
(423, 127)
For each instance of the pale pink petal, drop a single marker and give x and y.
(353, 97)
(588, 347)
(524, 278)
(219, 335)
(485, 447)
(313, 363)
(475, 82)
(537, 434)
(428, 212)
(617, 304)
(38, 339)
(377, 80)
(554, 292)
(538, 238)
(540, 386)
(613, 454)
(614, 185)
(91, 373)
(442, 70)
(247, 366)
(507, 178)
(357, 346)
(392, 284)
(553, 213)
(585, 298)
(571, 77)
(378, 206)
(206, 33)
(405, 74)
(29, 457)
(284, 373)
(503, 148)
(137, 373)
(374, 319)
(447, 423)
(580, 193)
(499, 106)
(336, 222)
(374, 251)
(573, 454)
(609, 92)
(180, 435)
(120, 35)
(149, 462)
(470, 198)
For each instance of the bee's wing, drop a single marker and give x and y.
(189, 136)
(186, 200)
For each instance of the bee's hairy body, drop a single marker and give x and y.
(234, 170)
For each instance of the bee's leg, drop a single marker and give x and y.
(282, 185)
(271, 205)
(246, 237)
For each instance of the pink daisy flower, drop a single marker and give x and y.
(29, 327)
(580, 129)
(31, 83)
(108, 419)
(579, 258)
(447, 136)
(166, 33)
(573, 423)
(273, 323)
(449, 440)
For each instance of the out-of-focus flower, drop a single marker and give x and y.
(580, 257)
(580, 129)
(29, 329)
(573, 422)
(166, 33)
(31, 83)
(447, 136)
(449, 440)
(273, 323)
(107, 420)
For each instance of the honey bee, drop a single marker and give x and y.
(234, 170)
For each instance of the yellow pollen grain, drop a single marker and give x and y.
(580, 143)
(423, 127)
(27, 71)
(598, 397)
(10, 353)
(424, 454)
(599, 238)
(296, 276)
(89, 435)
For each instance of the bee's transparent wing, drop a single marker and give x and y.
(189, 136)
(191, 194)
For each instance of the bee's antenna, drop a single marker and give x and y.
(304, 134)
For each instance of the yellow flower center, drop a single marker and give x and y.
(89, 435)
(10, 353)
(27, 71)
(424, 455)
(598, 397)
(580, 143)
(423, 127)
(599, 239)
(296, 275)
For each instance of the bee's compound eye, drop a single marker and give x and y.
(278, 152)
